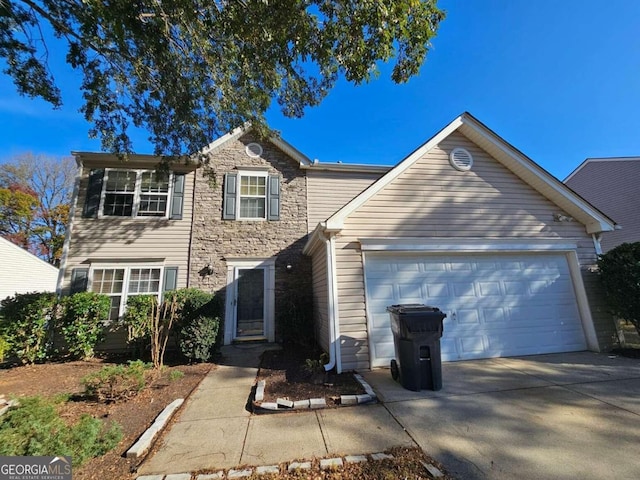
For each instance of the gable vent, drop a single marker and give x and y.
(254, 150)
(461, 159)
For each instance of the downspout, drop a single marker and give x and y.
(334, 329)
(67, 235)
(597, 238)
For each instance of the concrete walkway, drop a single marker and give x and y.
(215, 430)
(561, 417)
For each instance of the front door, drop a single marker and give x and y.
(250, 302)
(249, 307)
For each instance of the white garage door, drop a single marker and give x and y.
(496, 305)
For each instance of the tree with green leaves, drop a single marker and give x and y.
(619, 271)
(188, 71)
(35, 200)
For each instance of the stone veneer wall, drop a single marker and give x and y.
(214, 239)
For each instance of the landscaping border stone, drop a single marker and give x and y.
(286, 405)
(146, 439)
(324, 464)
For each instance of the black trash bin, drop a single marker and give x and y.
(417, 330)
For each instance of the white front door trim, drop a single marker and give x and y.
(233, 264)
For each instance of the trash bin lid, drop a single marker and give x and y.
(411, 308)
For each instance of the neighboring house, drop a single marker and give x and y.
(23, 272)
(611, 184)
(466, 223)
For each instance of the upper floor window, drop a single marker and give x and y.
(117, 192)
(251, 195)
(135, 193)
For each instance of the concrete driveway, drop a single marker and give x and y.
(560, 416)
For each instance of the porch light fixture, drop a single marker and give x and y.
(208, 269)
(289, 268)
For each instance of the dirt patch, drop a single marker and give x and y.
(287, 377)
(134, 415)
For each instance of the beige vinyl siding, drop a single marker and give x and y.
(115, 240)
(320, 297)
(431, 199)
(353, 324)
(327, 192)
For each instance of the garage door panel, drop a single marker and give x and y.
(496, 305)
(472, 345)
(409, 292)
(437, 290)
(494, 316)
(464, 289)
(490, 288)
(468, 317)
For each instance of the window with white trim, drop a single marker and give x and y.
(119, 283)
(252, 196)
(135, 193)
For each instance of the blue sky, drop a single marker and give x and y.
(559, 80)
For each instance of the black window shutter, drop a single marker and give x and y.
(177, 198)
(170, 279)
(79, 280)
(94, 190)
(230, 189)
(273, 212)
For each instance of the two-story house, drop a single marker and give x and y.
(466, 223)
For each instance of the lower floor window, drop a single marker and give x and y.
(119, 283)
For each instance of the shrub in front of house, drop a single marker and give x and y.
(82, 322)
(199, 323)
(197, 337)
(5, 347)
(137, 320)
(27, 322)
(35, 428)
(117, 382)
(619, 271)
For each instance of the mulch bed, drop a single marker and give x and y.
(286, 377)
(134, 415)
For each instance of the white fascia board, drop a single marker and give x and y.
(336, 221)
(232, 135)
(465, 245)
(529, 171)
(290, 150)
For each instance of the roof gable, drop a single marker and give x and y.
(279, 142)
(511, 158)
